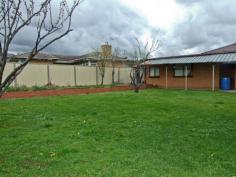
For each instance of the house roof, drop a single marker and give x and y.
(225, 54)
(87, 57)
(39, 56)
(201, 58)
(226, 49)
(9, 55)
(65, 59)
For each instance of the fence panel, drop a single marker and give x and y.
(125, 75)
(85, 75)
(116, 75)
(8, 69)
(108, 76)
(62, 75)
(65, 75)
(32, 75)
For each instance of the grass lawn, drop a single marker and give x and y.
(154, 133)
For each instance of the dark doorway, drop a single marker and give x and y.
(228, 70)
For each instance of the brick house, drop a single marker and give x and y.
(201, 71)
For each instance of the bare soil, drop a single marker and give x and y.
(45, 93)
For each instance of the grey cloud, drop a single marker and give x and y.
(94, 23)
(210, 25)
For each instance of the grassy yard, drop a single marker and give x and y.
(153, 133)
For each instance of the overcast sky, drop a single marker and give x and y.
(181, 26)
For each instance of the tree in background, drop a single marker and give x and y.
(101, 64)
(115, 56)
(50, 26)
(142, 52)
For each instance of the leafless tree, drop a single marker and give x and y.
(50, 26)
(115, 55)
(142, 52)
(102, 69)
(101, 63)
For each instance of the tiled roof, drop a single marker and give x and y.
(39, 56)
(225, 49)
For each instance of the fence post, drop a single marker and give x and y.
(118, 75)
(96, 75)
(15, 81)
(48, 74)
(75, 76)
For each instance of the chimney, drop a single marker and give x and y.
(106, 51)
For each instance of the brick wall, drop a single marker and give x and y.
(201, 78)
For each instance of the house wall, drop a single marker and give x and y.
(200, 79)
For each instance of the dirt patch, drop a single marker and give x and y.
(45, 93)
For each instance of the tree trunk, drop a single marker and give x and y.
(113, 75)
(1, 92)
(102, 81)
(136, 89)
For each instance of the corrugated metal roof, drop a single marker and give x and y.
(216, 58)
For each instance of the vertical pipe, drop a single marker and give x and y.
(186, 77)
(166, 76)
(75, 76)
(213, 77)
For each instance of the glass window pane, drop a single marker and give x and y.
(179, 72)
(154, 71)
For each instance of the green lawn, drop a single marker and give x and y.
(153, 133)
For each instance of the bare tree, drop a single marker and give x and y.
(102, 69)
(50, 26)
(115, 56)
(101, 63)
(141, 53)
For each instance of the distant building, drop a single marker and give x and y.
(10, 56)
(90, 59)
(40, 58)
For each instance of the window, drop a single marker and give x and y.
(93, 64)
(154, 71)
(180, 70)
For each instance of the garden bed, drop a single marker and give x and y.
(64, 91)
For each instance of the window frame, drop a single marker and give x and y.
(183, 65)
(154, 72)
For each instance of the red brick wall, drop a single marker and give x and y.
(201, 78)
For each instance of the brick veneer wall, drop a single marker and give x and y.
(201, 78)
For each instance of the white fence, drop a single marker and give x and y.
(66, 75)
